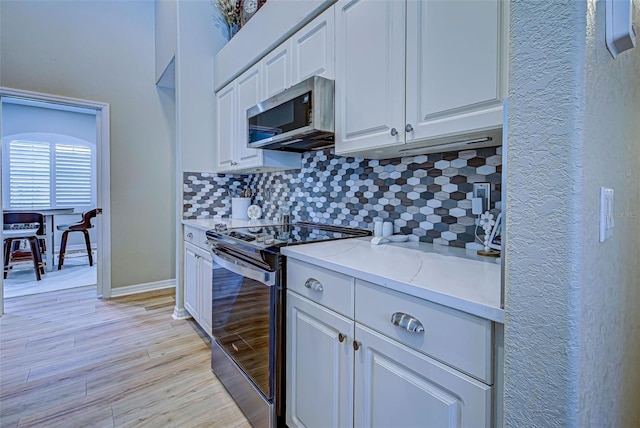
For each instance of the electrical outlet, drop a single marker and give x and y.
(482, 191)
(606, 213)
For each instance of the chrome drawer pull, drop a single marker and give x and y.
(407, 322)
(313, 284)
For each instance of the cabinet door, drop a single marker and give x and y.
(276, 68)
(370, 67)
(205, 274)
(226, 124)
(313, 48)
(249, 93)
(191, 280)
(454, 72)
(319, 366)
(398, 387)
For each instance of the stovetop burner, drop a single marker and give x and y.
(276, 236)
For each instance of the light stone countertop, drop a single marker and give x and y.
(209, 223)
(453, 277)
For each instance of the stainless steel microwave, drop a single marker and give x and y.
(299, 119)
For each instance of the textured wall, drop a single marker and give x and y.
(609, 306)
(572, 325)
(427, 197)
(543, 179)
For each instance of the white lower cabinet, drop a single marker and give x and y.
(197, 280)
(319, 365)
(344, 372)
(399, 387)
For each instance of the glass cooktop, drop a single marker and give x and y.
(288, 234)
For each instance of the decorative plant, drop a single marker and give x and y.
(228, 10)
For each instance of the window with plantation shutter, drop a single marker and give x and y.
(29, 174)
(73, 176)
(45, 174)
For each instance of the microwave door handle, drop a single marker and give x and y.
(243, 269)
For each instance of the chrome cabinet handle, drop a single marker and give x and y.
(189, 235)
(341, 337)
(407, 322)
(356, 345)
(234, 163)
(394, 132)
(313, 284)
(408, 128)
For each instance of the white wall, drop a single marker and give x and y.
(572, 324)
(104, 51)
(166, 34)
(22, 119)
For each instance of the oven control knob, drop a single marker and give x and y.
(220, 227)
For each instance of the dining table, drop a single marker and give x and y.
(49, 228)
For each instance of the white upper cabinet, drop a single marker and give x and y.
(232, 103)
(313, 48)
(277, 69)
(249, 93)
(309, 52)
(225, 132)
(417, 74)
(369, 84)
(453, 71)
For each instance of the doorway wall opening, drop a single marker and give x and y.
(55, 159)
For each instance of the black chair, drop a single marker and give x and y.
(27, 226)
(83, 226)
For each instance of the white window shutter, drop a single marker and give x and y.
(29, 174)
(43, 174)
(73, 176)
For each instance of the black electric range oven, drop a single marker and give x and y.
(248, 306)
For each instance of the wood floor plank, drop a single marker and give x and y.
(81, 413)
(69, 359)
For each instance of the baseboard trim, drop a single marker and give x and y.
(180, 314)
(142, 288)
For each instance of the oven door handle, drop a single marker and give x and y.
(241, 268)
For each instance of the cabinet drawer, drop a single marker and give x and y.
(337, 289)
(461, 340)
(195, 236)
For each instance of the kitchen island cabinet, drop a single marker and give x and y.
(359, 354)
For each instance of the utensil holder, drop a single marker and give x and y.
(239, 208)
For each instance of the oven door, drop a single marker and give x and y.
(244, 298)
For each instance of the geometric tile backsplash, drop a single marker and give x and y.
(426, 196)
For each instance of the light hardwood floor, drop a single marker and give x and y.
(68, 359)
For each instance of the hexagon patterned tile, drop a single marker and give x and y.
(426, 196)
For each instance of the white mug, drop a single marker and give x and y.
(387, 228)
(377, 227)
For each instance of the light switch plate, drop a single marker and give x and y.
(606, 213)
(619, 32)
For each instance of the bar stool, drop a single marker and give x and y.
(83, 226)
(23, 226)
